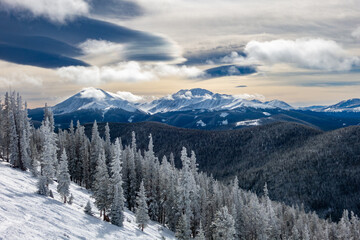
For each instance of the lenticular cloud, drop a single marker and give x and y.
(303, 53)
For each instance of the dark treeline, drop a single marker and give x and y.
(187, 201)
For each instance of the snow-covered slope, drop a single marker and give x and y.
(197, 98)
(93, 98)
(27, 215)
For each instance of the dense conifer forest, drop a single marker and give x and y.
(190, 202)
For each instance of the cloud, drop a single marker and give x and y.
(125, 72)
(250, 96)
(229, 70)
(91, 92)
(303, 53)
(97, 47)
(129, 96)
(55, 10)
(356, 33)
(20, 80)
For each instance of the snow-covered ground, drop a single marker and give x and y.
(27, 215)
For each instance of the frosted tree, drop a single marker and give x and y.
(63, 177)
(200, 234)
(107, 146)
(42, 186)
(95, 149)
(117, 209)
(101, 185)
(116, 194)
(25, 150)
(48, 155)
(344, 231)
(182, 232)
(272, 226)
(14, 142)
(141, 210)
(224, 225)
(48, 114)
(87, 209)
(187, 190)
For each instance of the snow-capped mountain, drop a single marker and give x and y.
(183, 100)
(197, 98)
(278, 104)
(350, 105)
(93, 98)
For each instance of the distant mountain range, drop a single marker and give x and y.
(183, 100)
(199, 109)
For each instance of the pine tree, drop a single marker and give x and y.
(116, 191)
(71, 199)
(63, 177)
(200, 234)
(224, 225)
(141, 210)
(14, 142)
(101, 185)
(87, 209)
(107, 146)
(48, 155)
(182, 232)
(43, 189)
(95, 150)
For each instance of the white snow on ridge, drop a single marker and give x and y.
(254, 122)
(223, 115)
(201, 123)
(27, 215)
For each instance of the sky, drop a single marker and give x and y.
(302, 52)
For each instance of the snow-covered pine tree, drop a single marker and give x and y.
(42, 187)
(272, 229)
(116, 194)
(95, 150)
(200, 235)
(48, 114)
(48, 155)
(87, 209)
(182, 232)
(187, 190)
(14, 141)
(101, 185)
(141, 210)
(224, 225)
(117, 209)
(107, 146)
(63, 177)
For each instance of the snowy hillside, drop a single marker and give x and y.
(27, 215)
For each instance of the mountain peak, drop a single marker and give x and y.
(93, 98)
